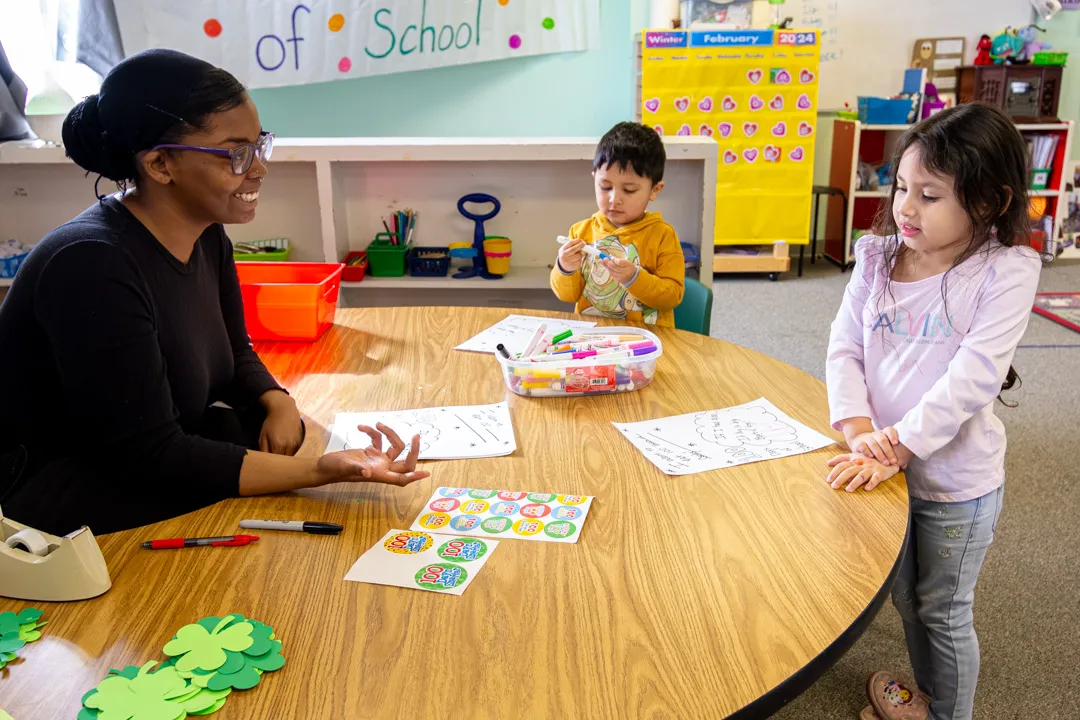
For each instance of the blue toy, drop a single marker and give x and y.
(479, 260)
(1006, 47)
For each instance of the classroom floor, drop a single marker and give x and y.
(1027, 611)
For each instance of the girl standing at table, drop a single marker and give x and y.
(125, 325)
(919, 351)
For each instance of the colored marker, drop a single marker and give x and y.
(224, 541)
(535, 341)
(644, 350)
(503, 351)
(583, 354)
(312, 528)
(595, 252)
(561, 336)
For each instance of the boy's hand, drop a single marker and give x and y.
(878, 445)
(570, 255)
(621, 270)
(858, 470)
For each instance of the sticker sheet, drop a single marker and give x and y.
(446, 433)
(423, 561)
(698, 442)
(515, 332)
(505, 514)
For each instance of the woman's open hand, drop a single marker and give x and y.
(372, 464)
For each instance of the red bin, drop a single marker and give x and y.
(289, 300)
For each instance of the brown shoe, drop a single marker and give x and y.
(868, 713)
(892, 700)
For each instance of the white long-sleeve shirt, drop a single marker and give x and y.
(896, 358)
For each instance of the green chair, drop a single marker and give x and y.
(694, 313)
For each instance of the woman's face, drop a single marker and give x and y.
(204, 183)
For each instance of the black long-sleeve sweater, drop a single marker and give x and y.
(111, 351)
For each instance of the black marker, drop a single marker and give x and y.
(502, 349)
(313, 528)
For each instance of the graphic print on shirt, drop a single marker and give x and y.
(927, 328)
(607, 295)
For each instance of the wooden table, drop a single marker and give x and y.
(720, 594)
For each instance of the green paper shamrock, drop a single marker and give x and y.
(212, 709)
(206, 649)
(29, 615)
(29, 632)
(11, 642)
(149, 696)
(254, 666)
(87, 714)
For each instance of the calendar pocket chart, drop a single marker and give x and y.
(502, 514)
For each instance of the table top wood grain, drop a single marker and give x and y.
(691, 596)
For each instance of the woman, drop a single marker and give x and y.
(126, 324)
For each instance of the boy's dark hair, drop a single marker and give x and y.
(635, 146)
(979, 148)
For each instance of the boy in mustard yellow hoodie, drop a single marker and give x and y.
(642, 280)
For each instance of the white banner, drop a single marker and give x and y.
(269, 43)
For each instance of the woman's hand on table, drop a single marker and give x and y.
(373, 464)
(283, 430)
(857, 470)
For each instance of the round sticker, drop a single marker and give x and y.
(528, 527)
(541, 497)
(446, 505)
(463, 550)
(481, 494)
(474, 507)
(512, 496)
(453, 492)
(462, 523)
(434, 521)
(408, 543)
(441, 576)
(571, 499)
(560, 529)
(505, 508)
(495, 525)
(567, 513)
(535, 510)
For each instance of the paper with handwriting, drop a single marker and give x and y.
(515, 332)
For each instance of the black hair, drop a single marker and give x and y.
(635, 146)
(152, 98)
(978, 148)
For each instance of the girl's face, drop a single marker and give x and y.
(927, 212)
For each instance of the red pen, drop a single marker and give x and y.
(223, 541)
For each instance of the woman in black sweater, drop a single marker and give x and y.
(126, 324)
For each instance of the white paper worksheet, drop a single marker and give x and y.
(446, 433)
(423, 561)
(714, 439)
(515, 332)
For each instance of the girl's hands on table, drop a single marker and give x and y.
(857, 470)
(372, 464)
(878, 444)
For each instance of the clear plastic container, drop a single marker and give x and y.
(588, 376)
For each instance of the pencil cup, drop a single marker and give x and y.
(497, 252)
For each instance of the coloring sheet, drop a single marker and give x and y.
(698, 442)
(446, 433)
(515, 332)
(418, 560)
(504, 513)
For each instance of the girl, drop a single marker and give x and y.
(920, 349)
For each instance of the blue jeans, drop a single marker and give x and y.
(934, 593)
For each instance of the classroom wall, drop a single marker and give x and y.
(1063, 32)
(569, 94)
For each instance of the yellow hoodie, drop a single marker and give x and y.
(652, 245)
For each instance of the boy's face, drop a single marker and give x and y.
(623, 195)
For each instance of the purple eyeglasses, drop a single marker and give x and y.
(241, 156)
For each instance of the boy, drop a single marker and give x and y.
(642, 280)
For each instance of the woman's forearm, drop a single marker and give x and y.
(264, 473)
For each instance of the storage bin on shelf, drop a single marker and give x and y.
(10, 265)
(429, 261)
(287, 300)
(356, 265)
(272, 250)
(385, 258)
(588, 376)
(883, 111)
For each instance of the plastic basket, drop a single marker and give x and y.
(1051, 58)
(429, 261)
(10, 265)
(289, 301)
(883, 111)
(385, 259)
(274, 250)
(354, 271)
(587, 376)
(691, 255)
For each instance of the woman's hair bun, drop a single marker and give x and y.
(90, 146)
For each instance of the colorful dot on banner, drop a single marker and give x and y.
(212, 27)
(337, 21)
(504, 3)
(515, 42)
(549, 23)
(344, 64)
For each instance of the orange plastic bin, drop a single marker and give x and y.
(289, 300)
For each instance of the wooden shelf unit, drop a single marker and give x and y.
(854, 141)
